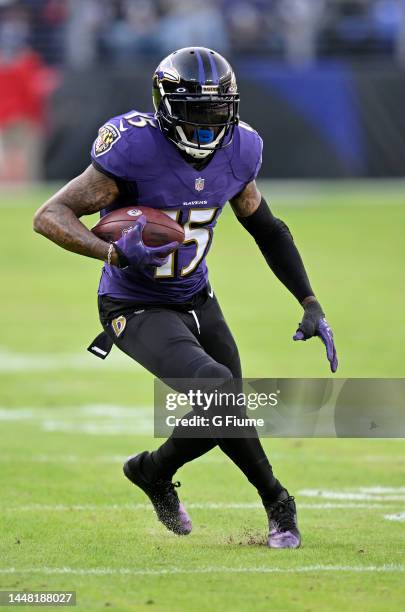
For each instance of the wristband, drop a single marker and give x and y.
(110, 252)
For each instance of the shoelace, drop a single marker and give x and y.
(283, 514)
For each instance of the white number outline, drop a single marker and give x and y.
(202, 242)
(191, 226)
(143, 121)
(160, 272)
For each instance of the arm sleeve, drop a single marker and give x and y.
(277, 245)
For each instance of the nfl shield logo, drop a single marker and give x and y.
(199, 184)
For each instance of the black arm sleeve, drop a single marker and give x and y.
(277, 245)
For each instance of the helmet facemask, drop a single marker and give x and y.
(198, 124)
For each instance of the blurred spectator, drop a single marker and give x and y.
(130, 30)
(47, 27)
(82, 33)
(354, 24)
(25, 83)
(85, 19)
(52, 30)
(386, 17)
(247, 24)
(400, 47)
(190, 22)
(361, 27)
(301, 20)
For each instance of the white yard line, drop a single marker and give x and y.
(113, 459)
(135, 427)
(382, 490)
(190, 506)
(94, 412)
(371, 494)
(94, 419)
(46, 362)
(103, 571)
(395, 517)
(360, 494)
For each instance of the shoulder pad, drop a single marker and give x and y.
(247, 153)
(126, 144)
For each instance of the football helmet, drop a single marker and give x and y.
(196, 100)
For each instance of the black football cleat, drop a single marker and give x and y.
(283, 528)
(163, 495)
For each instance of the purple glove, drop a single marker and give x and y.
(133, 252)
(315, 324)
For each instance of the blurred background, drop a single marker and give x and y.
(322, 80)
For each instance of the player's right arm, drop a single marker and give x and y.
(59, 218)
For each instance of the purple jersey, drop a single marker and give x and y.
(132, 148)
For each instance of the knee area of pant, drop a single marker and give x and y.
(214, 371)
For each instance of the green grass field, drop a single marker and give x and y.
(69, 519)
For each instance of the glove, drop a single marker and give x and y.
(133, 252)
(315, 324)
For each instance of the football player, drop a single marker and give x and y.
(189, 158)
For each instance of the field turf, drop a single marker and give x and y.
(69, 519)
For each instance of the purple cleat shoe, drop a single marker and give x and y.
(283, 526)
(163, 495)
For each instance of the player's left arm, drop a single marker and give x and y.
(277, 245)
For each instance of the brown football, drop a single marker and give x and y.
(160, 229)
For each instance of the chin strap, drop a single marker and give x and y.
(197, 153)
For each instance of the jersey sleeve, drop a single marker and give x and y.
(110, 152)
(247, 160)
(259, 157)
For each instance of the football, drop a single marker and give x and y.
(160, 229)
